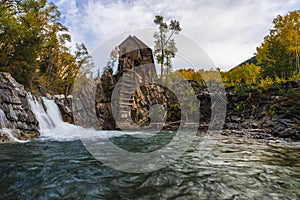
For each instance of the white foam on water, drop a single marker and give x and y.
(12, 137)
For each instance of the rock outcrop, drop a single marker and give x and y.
(103, 108)
(151, 95)
(15, 106)
(83, 105)
(273, 112)
(65, 106)
(138, 106)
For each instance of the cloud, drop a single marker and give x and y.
(228, 30)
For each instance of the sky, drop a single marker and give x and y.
(229, 31)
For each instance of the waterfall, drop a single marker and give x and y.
(45, 122)
(2, 119)
(64, 131)
(51, 125)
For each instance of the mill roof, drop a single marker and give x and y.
(141, 44)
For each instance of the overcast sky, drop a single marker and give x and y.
(228, 30)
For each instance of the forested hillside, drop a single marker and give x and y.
(34, 46)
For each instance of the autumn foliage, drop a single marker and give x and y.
(33, 46)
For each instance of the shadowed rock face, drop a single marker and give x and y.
(14, 103)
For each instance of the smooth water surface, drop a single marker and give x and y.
(235, 168)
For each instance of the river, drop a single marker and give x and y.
(234, 168)
(58, 166)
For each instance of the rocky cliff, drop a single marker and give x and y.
(17, 114)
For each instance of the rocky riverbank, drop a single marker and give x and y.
(267, 112)
(251, 111)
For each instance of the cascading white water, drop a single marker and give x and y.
(66, 131)
(62, 130)
(45, 122)
(2, 119)
(51, 125)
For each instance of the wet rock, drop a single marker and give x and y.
(15, 105)
(25, 135)
(65, 106)
(285, 133)
(12, 113)
(254, 125)
(245, 125)
(4, 138)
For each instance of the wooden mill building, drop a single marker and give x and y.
(135, 53)
(136, 67)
